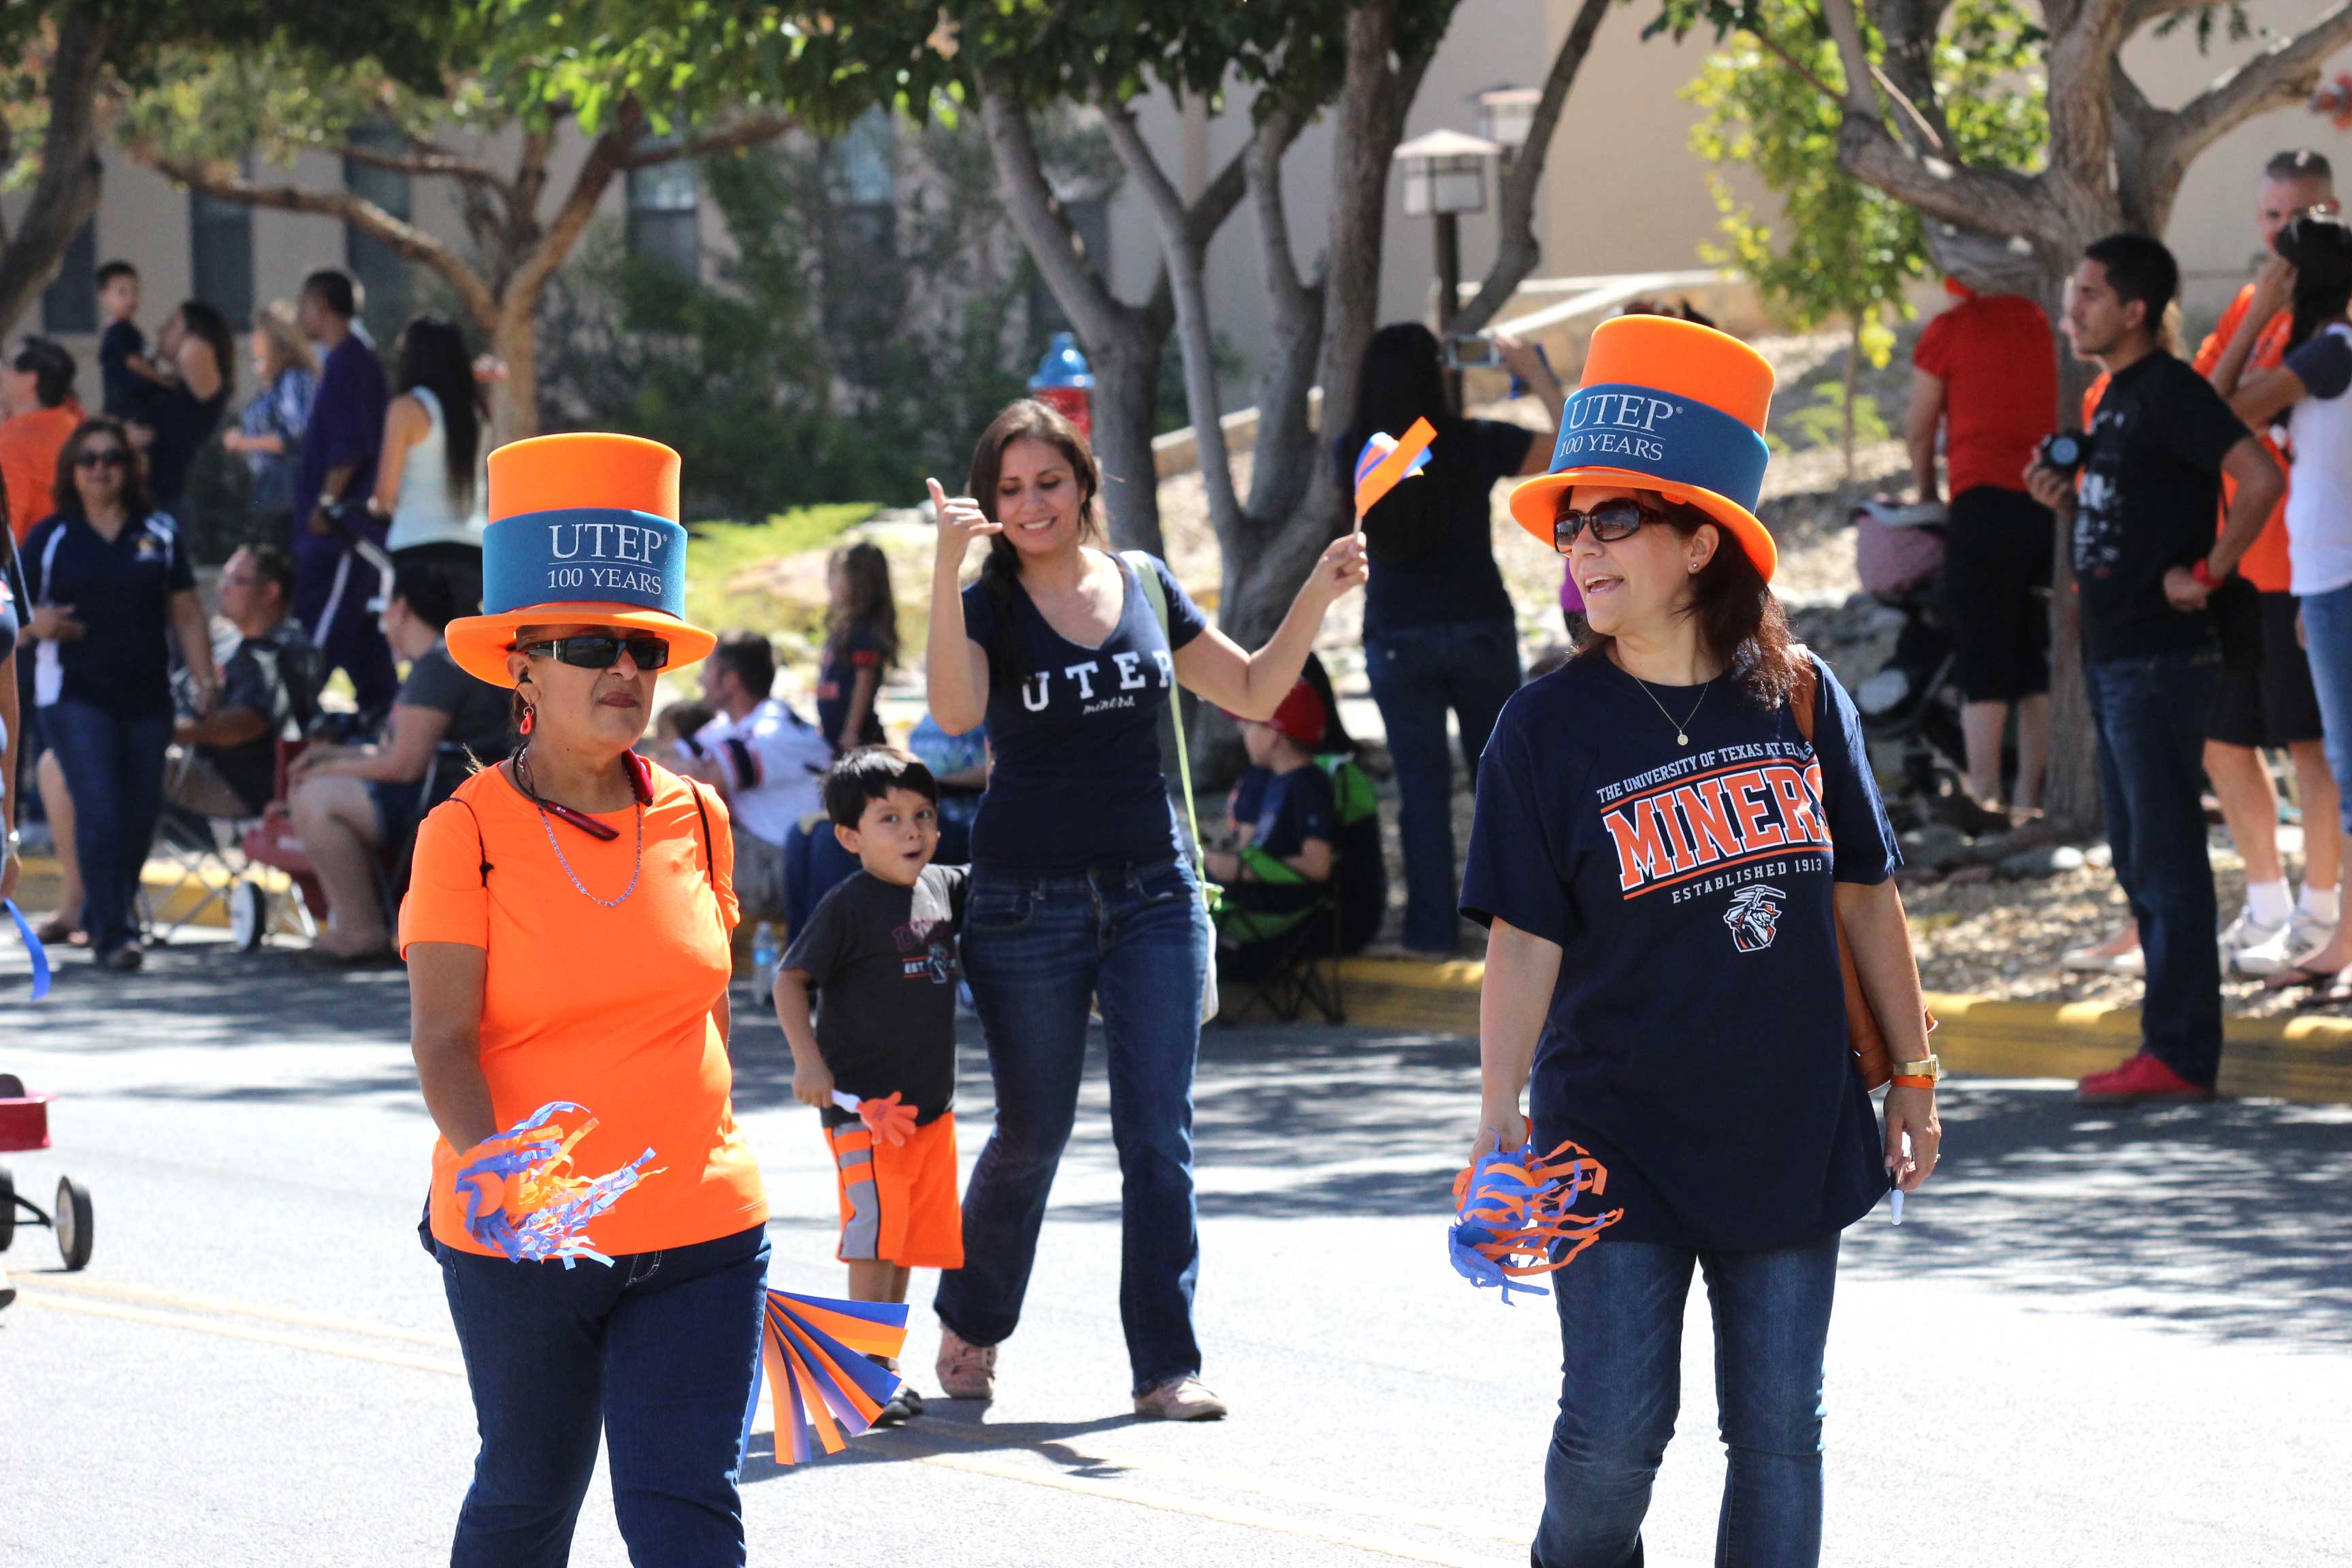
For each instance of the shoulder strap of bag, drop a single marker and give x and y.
(1806, 694)
(483, 844)
(1149, 577)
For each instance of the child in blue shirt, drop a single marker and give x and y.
(1285, 850)
(128, 378)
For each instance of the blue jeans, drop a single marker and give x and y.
(2328, 637)
(2151, 715)
(661, 1349)
(1621, 1328)
(1037, 950)
(1418, 673)
(114, 771)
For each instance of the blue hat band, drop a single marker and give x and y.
(1674, 441)
(602, 554)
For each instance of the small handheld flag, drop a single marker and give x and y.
(1514, 1212)
(817, 1355)
(888, 1119)
(1386, 461)
(518, 1193)
(33, 949)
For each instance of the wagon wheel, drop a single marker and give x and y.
(7, 1208)
(72, 1223)
(248, 916)
(11, 1086)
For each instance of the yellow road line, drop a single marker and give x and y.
(92, 1298)
(233, 1332)
(122, 1290)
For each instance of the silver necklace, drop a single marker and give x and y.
(1681, 730)
(636, 870)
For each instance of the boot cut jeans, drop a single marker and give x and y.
(1621, 1326)
(1037, 950)
(661, 1350)
(2151, 714)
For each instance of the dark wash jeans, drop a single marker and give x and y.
(1621, 1328)
(1419, 674)
(661, 1349)
(2151, 714)
(114, 770)
(1037, 950)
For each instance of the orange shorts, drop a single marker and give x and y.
(898, 1200)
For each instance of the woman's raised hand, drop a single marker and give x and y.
(960, 522)
(1342, 567)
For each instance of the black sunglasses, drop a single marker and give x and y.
(1612, 520)
(104, 458)
(601, 650)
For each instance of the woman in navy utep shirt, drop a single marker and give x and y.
(1661, 855)
(1080, 892)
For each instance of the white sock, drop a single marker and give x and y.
(2322, 904)
(2268, 902)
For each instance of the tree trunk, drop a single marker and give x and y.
(1853, 382)
(514, 402)
(1126, 406)
(72, 176)
(2070, 790)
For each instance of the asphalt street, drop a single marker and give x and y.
(2097, 1339)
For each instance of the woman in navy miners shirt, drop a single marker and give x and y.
(1080, 892)
(1660, 853)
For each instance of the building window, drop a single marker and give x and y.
(1090, 216)
(70, 304)
(665, 216)
(220, 255)
(387, 281)
(864, 286)
(864, 164)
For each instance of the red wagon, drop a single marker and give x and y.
(24, 1125)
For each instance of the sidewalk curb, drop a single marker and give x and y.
(2299, 1058)
(170, 896)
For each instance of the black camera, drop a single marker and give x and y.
(2064, 451)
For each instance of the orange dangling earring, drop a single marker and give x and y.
(529, 715)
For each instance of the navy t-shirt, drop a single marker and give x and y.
(121, 594)
(346, 427)
(1292, 809)
(1696, 1039)
(127, 394)
(883, 959)
(1078, 777)
(1432, 538)
(836, 678)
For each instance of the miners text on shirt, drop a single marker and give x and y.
(1125, 676)
(927, 958)
(1738, 811)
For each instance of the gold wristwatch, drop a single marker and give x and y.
(1930, 1068)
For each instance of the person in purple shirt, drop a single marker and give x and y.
(333, 584)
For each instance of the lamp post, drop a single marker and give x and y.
(1446, 176)
(1505, 117)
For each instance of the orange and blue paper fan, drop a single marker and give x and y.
(1386, 461)
(1515, 1215)
(815, 1354)
(517, 1192)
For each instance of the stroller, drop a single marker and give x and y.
(1913, 703)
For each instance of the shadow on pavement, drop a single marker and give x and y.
(954, 1426)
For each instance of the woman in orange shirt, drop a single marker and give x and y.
(566, 932)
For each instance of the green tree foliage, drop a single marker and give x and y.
(842, 351)
(1840, 250)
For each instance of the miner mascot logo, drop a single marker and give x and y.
(1754, 917)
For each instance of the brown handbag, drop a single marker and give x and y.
(1871, 1057)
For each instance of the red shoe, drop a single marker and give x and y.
(2143, 1078)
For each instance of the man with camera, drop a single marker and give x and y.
(2140, 522)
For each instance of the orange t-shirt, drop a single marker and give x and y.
(1999, 370)
(609, 1008)
(29, 444)
(2264, 564)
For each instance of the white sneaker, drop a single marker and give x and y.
(2105, 958)
(2245, 933)
(2297, 940)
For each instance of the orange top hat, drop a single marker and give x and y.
(583, 530)
(1669, 407)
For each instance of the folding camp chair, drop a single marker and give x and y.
(1281, 942)
(291, 904)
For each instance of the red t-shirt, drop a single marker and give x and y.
(1999, 369)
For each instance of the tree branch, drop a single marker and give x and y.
(1081, 290)
(429, 165)
(726, 139)
(607, 156)
(1282, 466)
(221, 180)
(1516, 251)
(71, 176)
(2279, 76)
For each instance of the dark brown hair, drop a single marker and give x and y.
(871, 604)
(66, 498)
(1027, 420)
(1740, 620)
